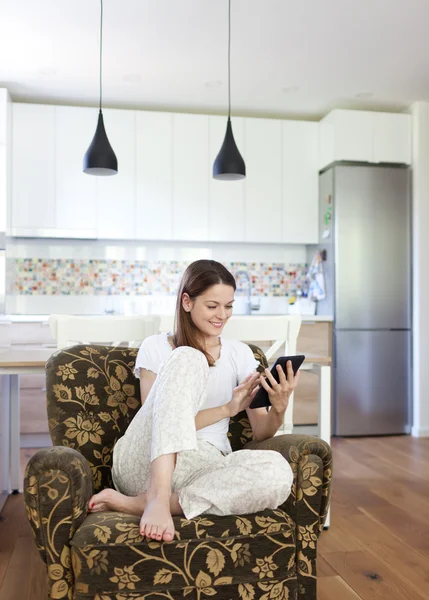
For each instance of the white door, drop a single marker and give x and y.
(74, 190)
(300, 182)
(154, 173)
(190, 180)
(263, 183)
(226, 198)
(33, 170)
(115, 194)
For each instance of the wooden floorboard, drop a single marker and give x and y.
(377, 547)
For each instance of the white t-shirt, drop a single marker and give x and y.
(236, 362)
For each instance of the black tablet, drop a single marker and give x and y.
(262, 398)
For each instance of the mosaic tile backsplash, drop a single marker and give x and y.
(68, 277)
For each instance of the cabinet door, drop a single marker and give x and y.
(354, 135)
(226, 198)
(300, 182)
(392, 138)
(154, 169)
(263, 183)
(190, 181)
(115, 194)
(33, 169)
(75, 191)
(4, 108)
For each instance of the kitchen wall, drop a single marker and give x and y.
(93, 276)
(420, 214)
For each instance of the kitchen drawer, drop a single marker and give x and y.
(31, 333)
(315, 339)
(34, 417)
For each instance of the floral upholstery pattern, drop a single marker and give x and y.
(92, 396)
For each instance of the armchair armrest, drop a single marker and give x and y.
(57, 489)
(311, 461)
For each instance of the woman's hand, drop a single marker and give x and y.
(243, 394)
(280, 393)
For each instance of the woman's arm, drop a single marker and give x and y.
(208, 416)
(266, 424)
(147, 379)
(242, 396)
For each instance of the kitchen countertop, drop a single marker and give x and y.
(44, 318)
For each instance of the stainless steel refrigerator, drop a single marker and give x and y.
(365, 232)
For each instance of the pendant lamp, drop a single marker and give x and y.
(229, 164)
(100, 159)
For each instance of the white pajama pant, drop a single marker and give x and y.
(206, 480)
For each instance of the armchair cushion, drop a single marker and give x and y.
(210, 555)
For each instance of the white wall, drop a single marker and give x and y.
(420, 114)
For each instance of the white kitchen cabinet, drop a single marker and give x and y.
(75, 192)
(33, 170)
(365, 136)
(392, 138)
(4, 116)
(116, 193)
(263, 183)
(300, 182)
(226, 198)
(154, 176)
(190, 180)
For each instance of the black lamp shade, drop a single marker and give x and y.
(100, 159)
(229, 164)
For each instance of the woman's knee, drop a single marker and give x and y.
(277, 478)
(188, 355)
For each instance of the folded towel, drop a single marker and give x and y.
(317, 289)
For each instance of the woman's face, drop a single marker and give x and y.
(211, 310)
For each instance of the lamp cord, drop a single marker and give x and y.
(101, 47)
(229, 59)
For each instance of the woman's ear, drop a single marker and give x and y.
(187, 302)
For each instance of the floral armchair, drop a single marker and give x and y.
(92, 396)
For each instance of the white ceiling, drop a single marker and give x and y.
(327, 52)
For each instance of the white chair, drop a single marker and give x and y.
(110, 329)
(278, 331)
(167, 324)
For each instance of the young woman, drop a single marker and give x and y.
(175, 457)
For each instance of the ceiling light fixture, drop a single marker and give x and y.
(229, 164)
(100, 159)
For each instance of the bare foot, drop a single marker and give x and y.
(156, 522)
(109, 499)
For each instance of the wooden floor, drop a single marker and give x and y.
(377, 547)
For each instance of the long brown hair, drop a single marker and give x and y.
(198, 277)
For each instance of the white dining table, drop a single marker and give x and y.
(14, 361)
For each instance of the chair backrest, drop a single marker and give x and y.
(278, 331)
(109, 329)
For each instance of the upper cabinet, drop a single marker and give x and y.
(154, 174)
(190, 181)
(164, 189)
(393, 138)
(33, 164)
(300, 182)
(115, 199)
(75, 192)
(226, 198)
(263, 183)
(364, 136)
